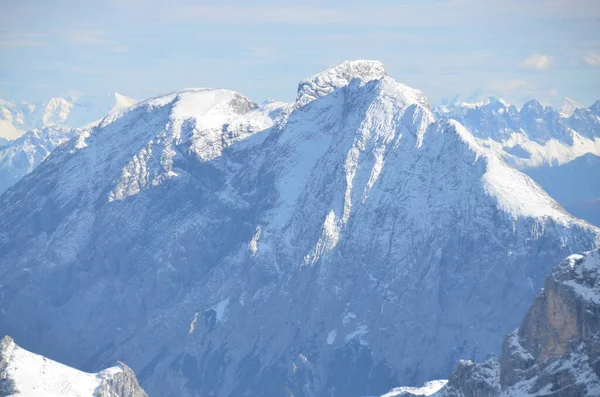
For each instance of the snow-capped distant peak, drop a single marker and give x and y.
(569, 106)
(331, 79)
(122, 102)
(29, 374)
(496, 100)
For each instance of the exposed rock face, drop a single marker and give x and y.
(121, 384)
(332, 247)
(556, 349)
(7, 384)
(24, 373)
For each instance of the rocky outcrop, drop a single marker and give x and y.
(121, 384)
(7, 385)
(556, 349)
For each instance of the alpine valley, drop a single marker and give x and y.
(341, 245)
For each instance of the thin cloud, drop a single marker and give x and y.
(19, 40)
(509, 86)
(537, 62)
(90, 37)
(592, 59)
(261, 14)
(438, 14)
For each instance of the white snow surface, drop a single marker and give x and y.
(514, 191)
(37, 376)
(428, 389)
(584, 268)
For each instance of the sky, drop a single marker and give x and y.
(450, 49)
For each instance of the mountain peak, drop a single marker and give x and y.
(569, 106)
(496, 100)
(533, 105)
(336, 77)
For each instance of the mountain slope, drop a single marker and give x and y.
(23, 373)
(556, 349)
(556, 150)
(324, 247)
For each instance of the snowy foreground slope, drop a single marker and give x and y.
(340, 245)
(25, 374)
(556, 349)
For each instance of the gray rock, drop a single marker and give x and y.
(556, 349)
(123, 384)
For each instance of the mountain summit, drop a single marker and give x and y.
(338, 245)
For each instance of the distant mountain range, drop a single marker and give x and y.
(17, 118)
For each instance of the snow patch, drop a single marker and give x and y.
(193, 323)
(253, 244)
(221, 309)
(348, 317)
(427, 389)
(331, 336)
(358, 333)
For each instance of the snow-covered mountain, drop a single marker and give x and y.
(340, 245)
(554, 149)
(25, 374)
(17, 118)
(536, 134)
(556, 349)
(22, 155)
(569, 106)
